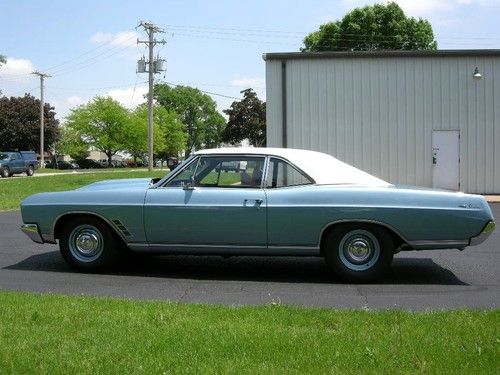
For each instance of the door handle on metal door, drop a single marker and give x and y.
(257, 203)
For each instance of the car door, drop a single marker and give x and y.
(17, 163)
(293, 220)
(213, 201)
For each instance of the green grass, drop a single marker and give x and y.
(14, 190)
(51, 170)
(86, 335)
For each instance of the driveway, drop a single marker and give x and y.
(418, 280)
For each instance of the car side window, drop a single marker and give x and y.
(282, 174)
(185, 176)
(230, 171)
(222, 171)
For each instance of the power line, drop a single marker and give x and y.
(203, 91)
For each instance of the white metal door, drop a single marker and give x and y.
(446, 159)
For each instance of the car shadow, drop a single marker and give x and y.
(422, 271)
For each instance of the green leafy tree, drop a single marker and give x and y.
(196, 110)
(71, 143)
(376, 27)
(103, 124)
(20, 124)
(168, 133)
(247, 120)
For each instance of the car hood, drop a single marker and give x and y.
(126, 183)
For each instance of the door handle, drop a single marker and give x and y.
(257, 202)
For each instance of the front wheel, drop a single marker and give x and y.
(359, 253)
(5, 172)
(30, 171)
(87, 244)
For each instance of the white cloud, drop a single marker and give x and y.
(129, 97)
(121, 39)
(247, 82)
(75, 100)
(17, 68)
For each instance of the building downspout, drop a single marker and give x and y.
(284, 140)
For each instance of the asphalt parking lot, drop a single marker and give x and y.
(418, 280)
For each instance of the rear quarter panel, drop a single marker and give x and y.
(297, 215)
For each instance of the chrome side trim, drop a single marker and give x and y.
(222, 249)
(438, 244)
(31, 230)
(483, 235)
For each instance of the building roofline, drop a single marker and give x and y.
(361, 54)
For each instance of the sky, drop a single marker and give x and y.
(90, 47)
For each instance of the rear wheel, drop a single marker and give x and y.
(358, 252)
(5, 172)
(30, 171)
(87, 244)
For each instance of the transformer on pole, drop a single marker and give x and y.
(154, 66)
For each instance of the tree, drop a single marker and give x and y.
(71, 143)
(20, 124)
(168, 133)
(102, 123)
(247, 120)
(377, 27)
(196, 110)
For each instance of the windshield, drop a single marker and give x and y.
(4, 156)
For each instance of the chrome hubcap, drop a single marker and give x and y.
(86, 243)
(359, 250)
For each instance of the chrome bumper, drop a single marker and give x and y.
(31, 230)
(485, 233)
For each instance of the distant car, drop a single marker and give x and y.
(285, 202)
(88, 164)
(63, 165)
(18, 162)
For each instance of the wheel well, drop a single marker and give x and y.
(65, 218)
(396, 238)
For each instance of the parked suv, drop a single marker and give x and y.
(18, 162)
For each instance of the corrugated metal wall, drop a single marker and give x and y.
(378, 113)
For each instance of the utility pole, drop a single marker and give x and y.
(154, 66)
(42, 77)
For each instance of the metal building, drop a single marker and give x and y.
(429, 118)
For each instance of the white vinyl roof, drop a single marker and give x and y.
(323, 168)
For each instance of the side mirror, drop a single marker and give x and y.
(154, 181)
(189, 185)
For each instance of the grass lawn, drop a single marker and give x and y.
(14, 190)
(88, 335)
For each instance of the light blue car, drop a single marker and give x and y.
(257, 201)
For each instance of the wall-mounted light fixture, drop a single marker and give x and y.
(476, 74)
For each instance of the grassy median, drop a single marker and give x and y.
(87, 335)
(13, 190)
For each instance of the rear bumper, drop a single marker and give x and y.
(485, 233)
(32, 231)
